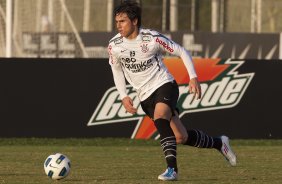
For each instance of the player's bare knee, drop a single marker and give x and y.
(161, 116)
(180, 139)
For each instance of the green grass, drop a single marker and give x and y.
(125, 161)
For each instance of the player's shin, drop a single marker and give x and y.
(199, 139)
(168, 142)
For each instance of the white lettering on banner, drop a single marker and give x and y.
(214, 92)
(225, 92)
(64, 43)
(232, 91)
(47, 43)
(122, 112)
(50, 45)
(189, 43)
(28, 43)
(109, 108)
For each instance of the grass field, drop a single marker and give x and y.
(124, 161)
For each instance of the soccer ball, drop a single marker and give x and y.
(57, 166)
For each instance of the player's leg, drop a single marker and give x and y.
(166, 99)
(193, 137)
(197, 138)
(168, 142)
(179, 130)
(162, 116)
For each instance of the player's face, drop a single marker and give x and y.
(125, 26)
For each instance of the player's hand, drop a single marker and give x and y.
(195, 88)
(128, 105)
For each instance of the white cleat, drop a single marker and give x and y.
(168, 175)
(227, 151)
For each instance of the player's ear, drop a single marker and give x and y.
(135, 22)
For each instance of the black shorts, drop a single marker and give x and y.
(167, 93)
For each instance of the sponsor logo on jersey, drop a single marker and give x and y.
(164, 44)
(118, 41)
(130, 64)
(222, 87)
(146, 38)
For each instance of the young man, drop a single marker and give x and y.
(135, 54)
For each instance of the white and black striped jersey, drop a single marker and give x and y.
(139, 61)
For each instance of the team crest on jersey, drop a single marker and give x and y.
(144, 47)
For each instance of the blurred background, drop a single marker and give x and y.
(81, 28)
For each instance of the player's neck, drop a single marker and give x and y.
(134, 34)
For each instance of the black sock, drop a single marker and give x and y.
(168, 142)
(199, 139)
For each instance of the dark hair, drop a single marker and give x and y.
(132, 9)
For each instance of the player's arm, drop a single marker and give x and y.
(194, 84)
(120, 83)
(173, 48)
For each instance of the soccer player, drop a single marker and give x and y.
(135, 55)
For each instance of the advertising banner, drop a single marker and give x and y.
(77, 98)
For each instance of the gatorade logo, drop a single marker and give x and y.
(222, 87)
